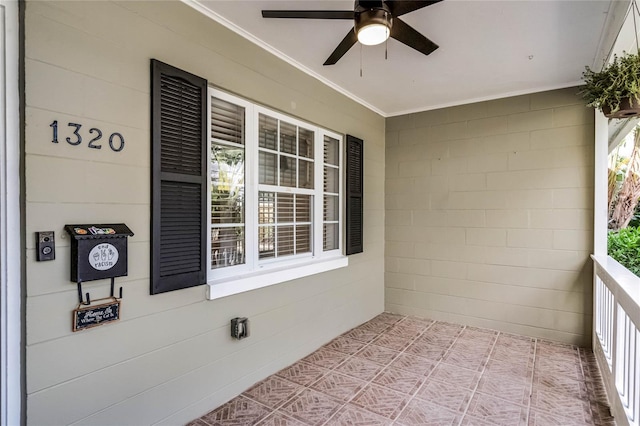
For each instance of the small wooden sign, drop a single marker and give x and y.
(93, 316)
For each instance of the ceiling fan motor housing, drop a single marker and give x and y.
(372, 13)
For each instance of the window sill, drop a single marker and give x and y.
(230, 286)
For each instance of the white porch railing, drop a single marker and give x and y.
(616, 337)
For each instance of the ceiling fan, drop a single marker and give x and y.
(374, 23)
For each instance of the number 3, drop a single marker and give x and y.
(78, 140)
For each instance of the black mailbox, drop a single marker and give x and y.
(98, 251)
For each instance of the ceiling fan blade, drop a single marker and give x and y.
(401, 7)
(342, 48)
(308, 14)
(412, 38)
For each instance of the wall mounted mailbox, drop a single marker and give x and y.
(98, 251)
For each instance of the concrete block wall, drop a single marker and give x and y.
(489, 215)
(170, 358)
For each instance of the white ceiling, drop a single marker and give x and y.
(488, 49)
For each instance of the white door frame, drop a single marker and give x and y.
(10, 230)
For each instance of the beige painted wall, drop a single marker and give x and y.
(170, 358)
(489, 215)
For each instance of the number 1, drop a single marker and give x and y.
(54, 125)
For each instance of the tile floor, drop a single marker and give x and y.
(398, 370)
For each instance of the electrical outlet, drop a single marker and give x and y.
(239, 328)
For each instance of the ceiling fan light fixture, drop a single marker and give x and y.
(374, 22)
(373, 26)
(373, 34)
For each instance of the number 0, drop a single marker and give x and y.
(121, 146)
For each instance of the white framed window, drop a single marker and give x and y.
(275, 196)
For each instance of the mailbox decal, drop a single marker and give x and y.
(103, 256)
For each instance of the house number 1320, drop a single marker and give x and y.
(116, 140)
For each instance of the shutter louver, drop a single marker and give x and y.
(180, 228)
(354, 196)
(179, 179)
(180, 132)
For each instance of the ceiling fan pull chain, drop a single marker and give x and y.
(386, 44)
(386, 41)
(360, 60)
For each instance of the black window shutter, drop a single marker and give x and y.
(178, 178)
(355, 195)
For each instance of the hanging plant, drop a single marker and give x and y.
(616, 89)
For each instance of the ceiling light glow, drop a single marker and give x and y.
(373, 34)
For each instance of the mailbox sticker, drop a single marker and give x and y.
(101, 231)
(103, 256)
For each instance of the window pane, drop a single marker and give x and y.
(266, 207)
(227, 184)
(287, 171)
(267, 168)
(267, 132)
(330, 237)
(305, 143)
(303, 239)
(285, 241)
(227, 121)
(287, 138)
(331, 208)
(331, 200)
(266, 242)
(303, 208)
(331, 180)
(285, 208)
(331, 151)
(305, 174)
(227, 247)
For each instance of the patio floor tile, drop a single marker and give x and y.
(408, 371)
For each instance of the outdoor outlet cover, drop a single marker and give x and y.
(239, 328)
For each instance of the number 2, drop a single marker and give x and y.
(91, 145)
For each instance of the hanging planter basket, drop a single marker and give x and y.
(629, 107)
(616, 89)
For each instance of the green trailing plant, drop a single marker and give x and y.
(624, 246)
(617, 81)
